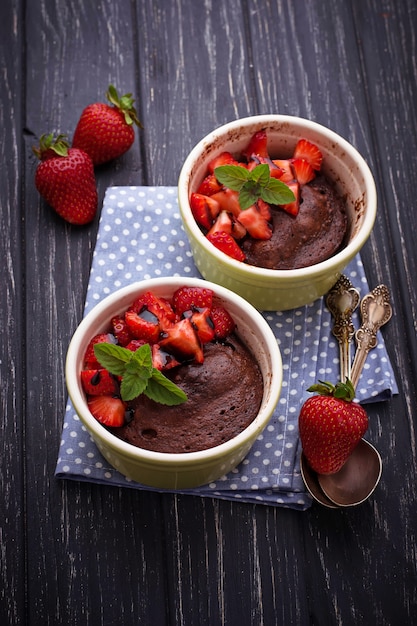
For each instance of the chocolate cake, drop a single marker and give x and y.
(312, 236)
(224, 396)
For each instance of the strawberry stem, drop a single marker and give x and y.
(342, 391)
(50, 146)
(125, 105)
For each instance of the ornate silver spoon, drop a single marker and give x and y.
(341, 301)
(375, 311)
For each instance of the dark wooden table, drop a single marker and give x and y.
(76, 554)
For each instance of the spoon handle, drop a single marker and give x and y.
(341, 301)
(375, 311)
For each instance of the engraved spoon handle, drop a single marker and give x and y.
(375, 311)
(341, 301)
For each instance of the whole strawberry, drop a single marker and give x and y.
(331, 426)
(105, 131)
(65, 179)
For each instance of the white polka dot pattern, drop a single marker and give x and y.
(140, 237)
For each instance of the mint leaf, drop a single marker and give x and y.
(138, 374)
(113, 358)
(134, 382)
(163, 390)
(232, 176)
(254, 184)
(260, 174)
(143, 357)
(248, 196)
(277, 192)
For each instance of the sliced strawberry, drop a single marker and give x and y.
(160, 307)
(228, 201)
(274, 170)
(224, 158)
(285, 165)
(135, 344)
(226, 223)
(182, 341)
(310, 152)
(223, 223)
(202, 322)
(264, 209)
(256, 225)
(227, 244)
(189, 298)
(121, 330)
(99, 382)
(209, 186)
(204, 209)
(294, 206)
(108, 410)
(90, 360)
(161, 359)
(143, 325)
(223, 322)
(257, 146)
(304, 173)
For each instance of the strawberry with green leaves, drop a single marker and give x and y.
(65, 179)
(106, 131)
(331, 425)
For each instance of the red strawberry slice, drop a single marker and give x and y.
(121, 330)
(161, 359)
(182, 341)
(90, 361)
(227, 244)
(293, 207)
(204, 209)
(202, 322)
(160, 307)
(287, 172)
(224, 158)
(223, 322)
(228, 201)
(209, 186)
(304, 173)
(264, 209)
(310, 152)
(189, 298)
(135, 344)
(108, 410)
(226, 223)
(98, 382)
(256, 225)
(257, 146)
(223, 223)
(143, 325)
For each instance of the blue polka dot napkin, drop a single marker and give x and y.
(140, 237)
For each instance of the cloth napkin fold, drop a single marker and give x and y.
(140, 237)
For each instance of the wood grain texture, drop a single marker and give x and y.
(78, 553)
(12, 367)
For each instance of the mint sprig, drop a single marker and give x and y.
(138, 374)
(254, 184)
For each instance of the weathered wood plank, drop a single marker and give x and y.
(104, 554)
(12, 529)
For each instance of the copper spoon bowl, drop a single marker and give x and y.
(310, 479)
(358, 478)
